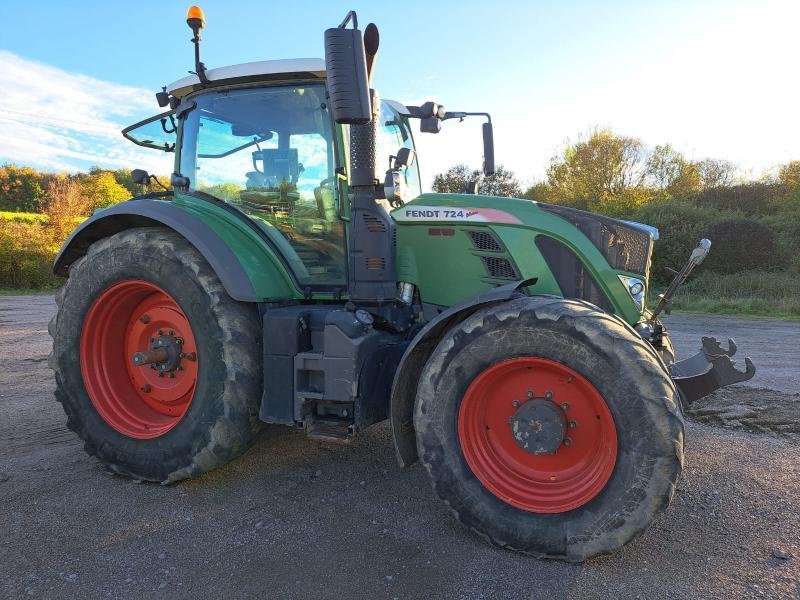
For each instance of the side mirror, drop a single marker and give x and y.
(346, 67)
(162, 97)
(140, 176)
(488, 149)
(404, 158)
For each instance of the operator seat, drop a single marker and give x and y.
(274, 187)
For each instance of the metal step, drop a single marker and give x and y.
(330, 431)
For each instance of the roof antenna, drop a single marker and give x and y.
(196, 20)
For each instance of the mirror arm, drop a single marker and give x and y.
(461, 115)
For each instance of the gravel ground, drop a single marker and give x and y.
(297, 519)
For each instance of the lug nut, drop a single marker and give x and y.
(171, 332)
(530, 394)
(160, 374)
(572, 424)
(565, 406)
(548, 394)
(172, 375)
(515, 403)
(567, 441)
(145, 319)
(160, 332)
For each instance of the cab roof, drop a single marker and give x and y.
(295, 68)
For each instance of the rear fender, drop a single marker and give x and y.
(404, 388)
(249, 270)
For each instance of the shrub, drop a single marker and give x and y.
(752, 198)
(681, 225)
(789, 174)
(66, 203)
(26, 256)
(742, 245)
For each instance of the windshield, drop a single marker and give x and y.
(269, 151)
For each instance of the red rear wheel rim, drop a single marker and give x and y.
(550, 483)
(132, 399)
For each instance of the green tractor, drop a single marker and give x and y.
(296, 275)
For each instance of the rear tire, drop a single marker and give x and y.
(584, 500)
(179, 427)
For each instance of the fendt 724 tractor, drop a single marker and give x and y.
(295, 274)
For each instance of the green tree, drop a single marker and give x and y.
(673, 175)
(539, 192)
(592, 171)
(21, 188)
(789, 174)
(124, 178)
(454, 180)
(716, 173)
(502, 183)
(101, 189)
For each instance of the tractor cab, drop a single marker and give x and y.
(260, 137)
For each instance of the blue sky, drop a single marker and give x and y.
(714, 78)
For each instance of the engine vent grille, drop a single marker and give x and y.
(373, 223)
(499, 268)
(485, 241)
(375, 263)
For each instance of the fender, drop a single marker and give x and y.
(247, 267)
(404, 387)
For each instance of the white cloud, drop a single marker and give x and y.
(56, 120)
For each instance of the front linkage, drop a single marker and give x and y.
(712, 367)
(709, 370)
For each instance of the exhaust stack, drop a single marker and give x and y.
(350, 63)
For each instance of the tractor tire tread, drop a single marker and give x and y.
(603, 531)
(234, 424)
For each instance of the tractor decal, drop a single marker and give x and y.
(454, 213)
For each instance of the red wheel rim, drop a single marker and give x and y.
(549, 483)
(132, 399)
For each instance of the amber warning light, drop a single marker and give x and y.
(195, 18)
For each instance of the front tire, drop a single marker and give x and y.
(503, 382)
(140, 290)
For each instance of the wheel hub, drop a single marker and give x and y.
(545, 454)
(538, 426)
(132, 325)
(163, 354)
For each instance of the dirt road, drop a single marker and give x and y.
(299, 519)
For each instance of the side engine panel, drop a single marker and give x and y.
(327, 369)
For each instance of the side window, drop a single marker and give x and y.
(393, 134)
(269, 151)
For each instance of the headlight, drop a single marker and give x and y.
(635, 288)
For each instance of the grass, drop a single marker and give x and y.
(22, 217)
(751, 293)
